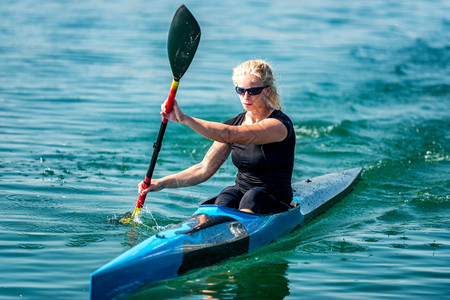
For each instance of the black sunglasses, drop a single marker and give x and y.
(251, 91)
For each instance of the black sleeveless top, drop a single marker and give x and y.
(268, 166)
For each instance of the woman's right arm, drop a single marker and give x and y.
(269, 130)
(198, 173)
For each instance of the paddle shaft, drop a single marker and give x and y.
(158, 143)
(184, 36)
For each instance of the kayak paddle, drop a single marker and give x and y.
(183, 40)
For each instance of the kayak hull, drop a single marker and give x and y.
(213, 234)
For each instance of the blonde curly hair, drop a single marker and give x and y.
(263, 72)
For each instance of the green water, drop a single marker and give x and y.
(366, 84)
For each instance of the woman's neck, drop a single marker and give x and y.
(252, 117)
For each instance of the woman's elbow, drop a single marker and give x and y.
(230, 135)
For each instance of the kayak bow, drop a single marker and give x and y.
(213, 234)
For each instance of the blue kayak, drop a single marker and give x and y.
(216, 233)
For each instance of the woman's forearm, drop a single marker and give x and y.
(189, 177)
(212, 130)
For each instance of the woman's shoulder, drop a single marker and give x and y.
(278, 114)
(283, 118)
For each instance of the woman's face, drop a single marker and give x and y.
(252, 102)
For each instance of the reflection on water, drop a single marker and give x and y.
(228, 280)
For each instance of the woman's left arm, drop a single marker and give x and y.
(264, 132)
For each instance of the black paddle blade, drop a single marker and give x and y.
(184, 36)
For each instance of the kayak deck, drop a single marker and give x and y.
(216, 233)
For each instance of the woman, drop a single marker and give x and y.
(261, 141)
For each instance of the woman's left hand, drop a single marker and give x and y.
(176, 115)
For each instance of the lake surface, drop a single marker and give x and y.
(365, 83)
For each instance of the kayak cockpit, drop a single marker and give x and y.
(211, 239)
(294, 203)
